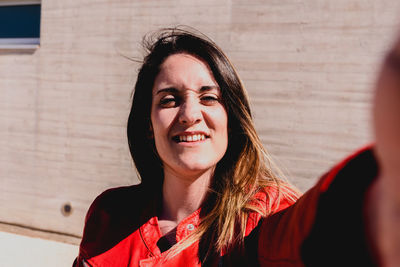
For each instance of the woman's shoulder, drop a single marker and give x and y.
(121, 202)
(112, 216)
(276, 197)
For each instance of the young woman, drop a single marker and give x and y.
(208, 193)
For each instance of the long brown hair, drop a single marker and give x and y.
(245, 168)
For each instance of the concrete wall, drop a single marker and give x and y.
(308, 65)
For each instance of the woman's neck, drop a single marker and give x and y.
(183, 194)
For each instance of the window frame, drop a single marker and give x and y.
(19, 43)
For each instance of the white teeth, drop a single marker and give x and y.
(192, 138)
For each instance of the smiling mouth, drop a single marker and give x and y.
(190, 138)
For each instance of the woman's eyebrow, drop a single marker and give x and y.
(167, 90)
(209, 88)
(174, 90)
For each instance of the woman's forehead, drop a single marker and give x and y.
(186, 71)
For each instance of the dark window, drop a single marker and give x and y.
(19, 23)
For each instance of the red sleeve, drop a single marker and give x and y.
(326, 226)
(112, 217)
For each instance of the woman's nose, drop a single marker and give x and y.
(190, 112)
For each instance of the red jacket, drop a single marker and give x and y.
(323, 228)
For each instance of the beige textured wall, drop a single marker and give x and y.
(308, 65)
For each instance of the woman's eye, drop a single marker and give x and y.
(168, 102)
(209, 99)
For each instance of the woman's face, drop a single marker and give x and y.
(189, 122)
